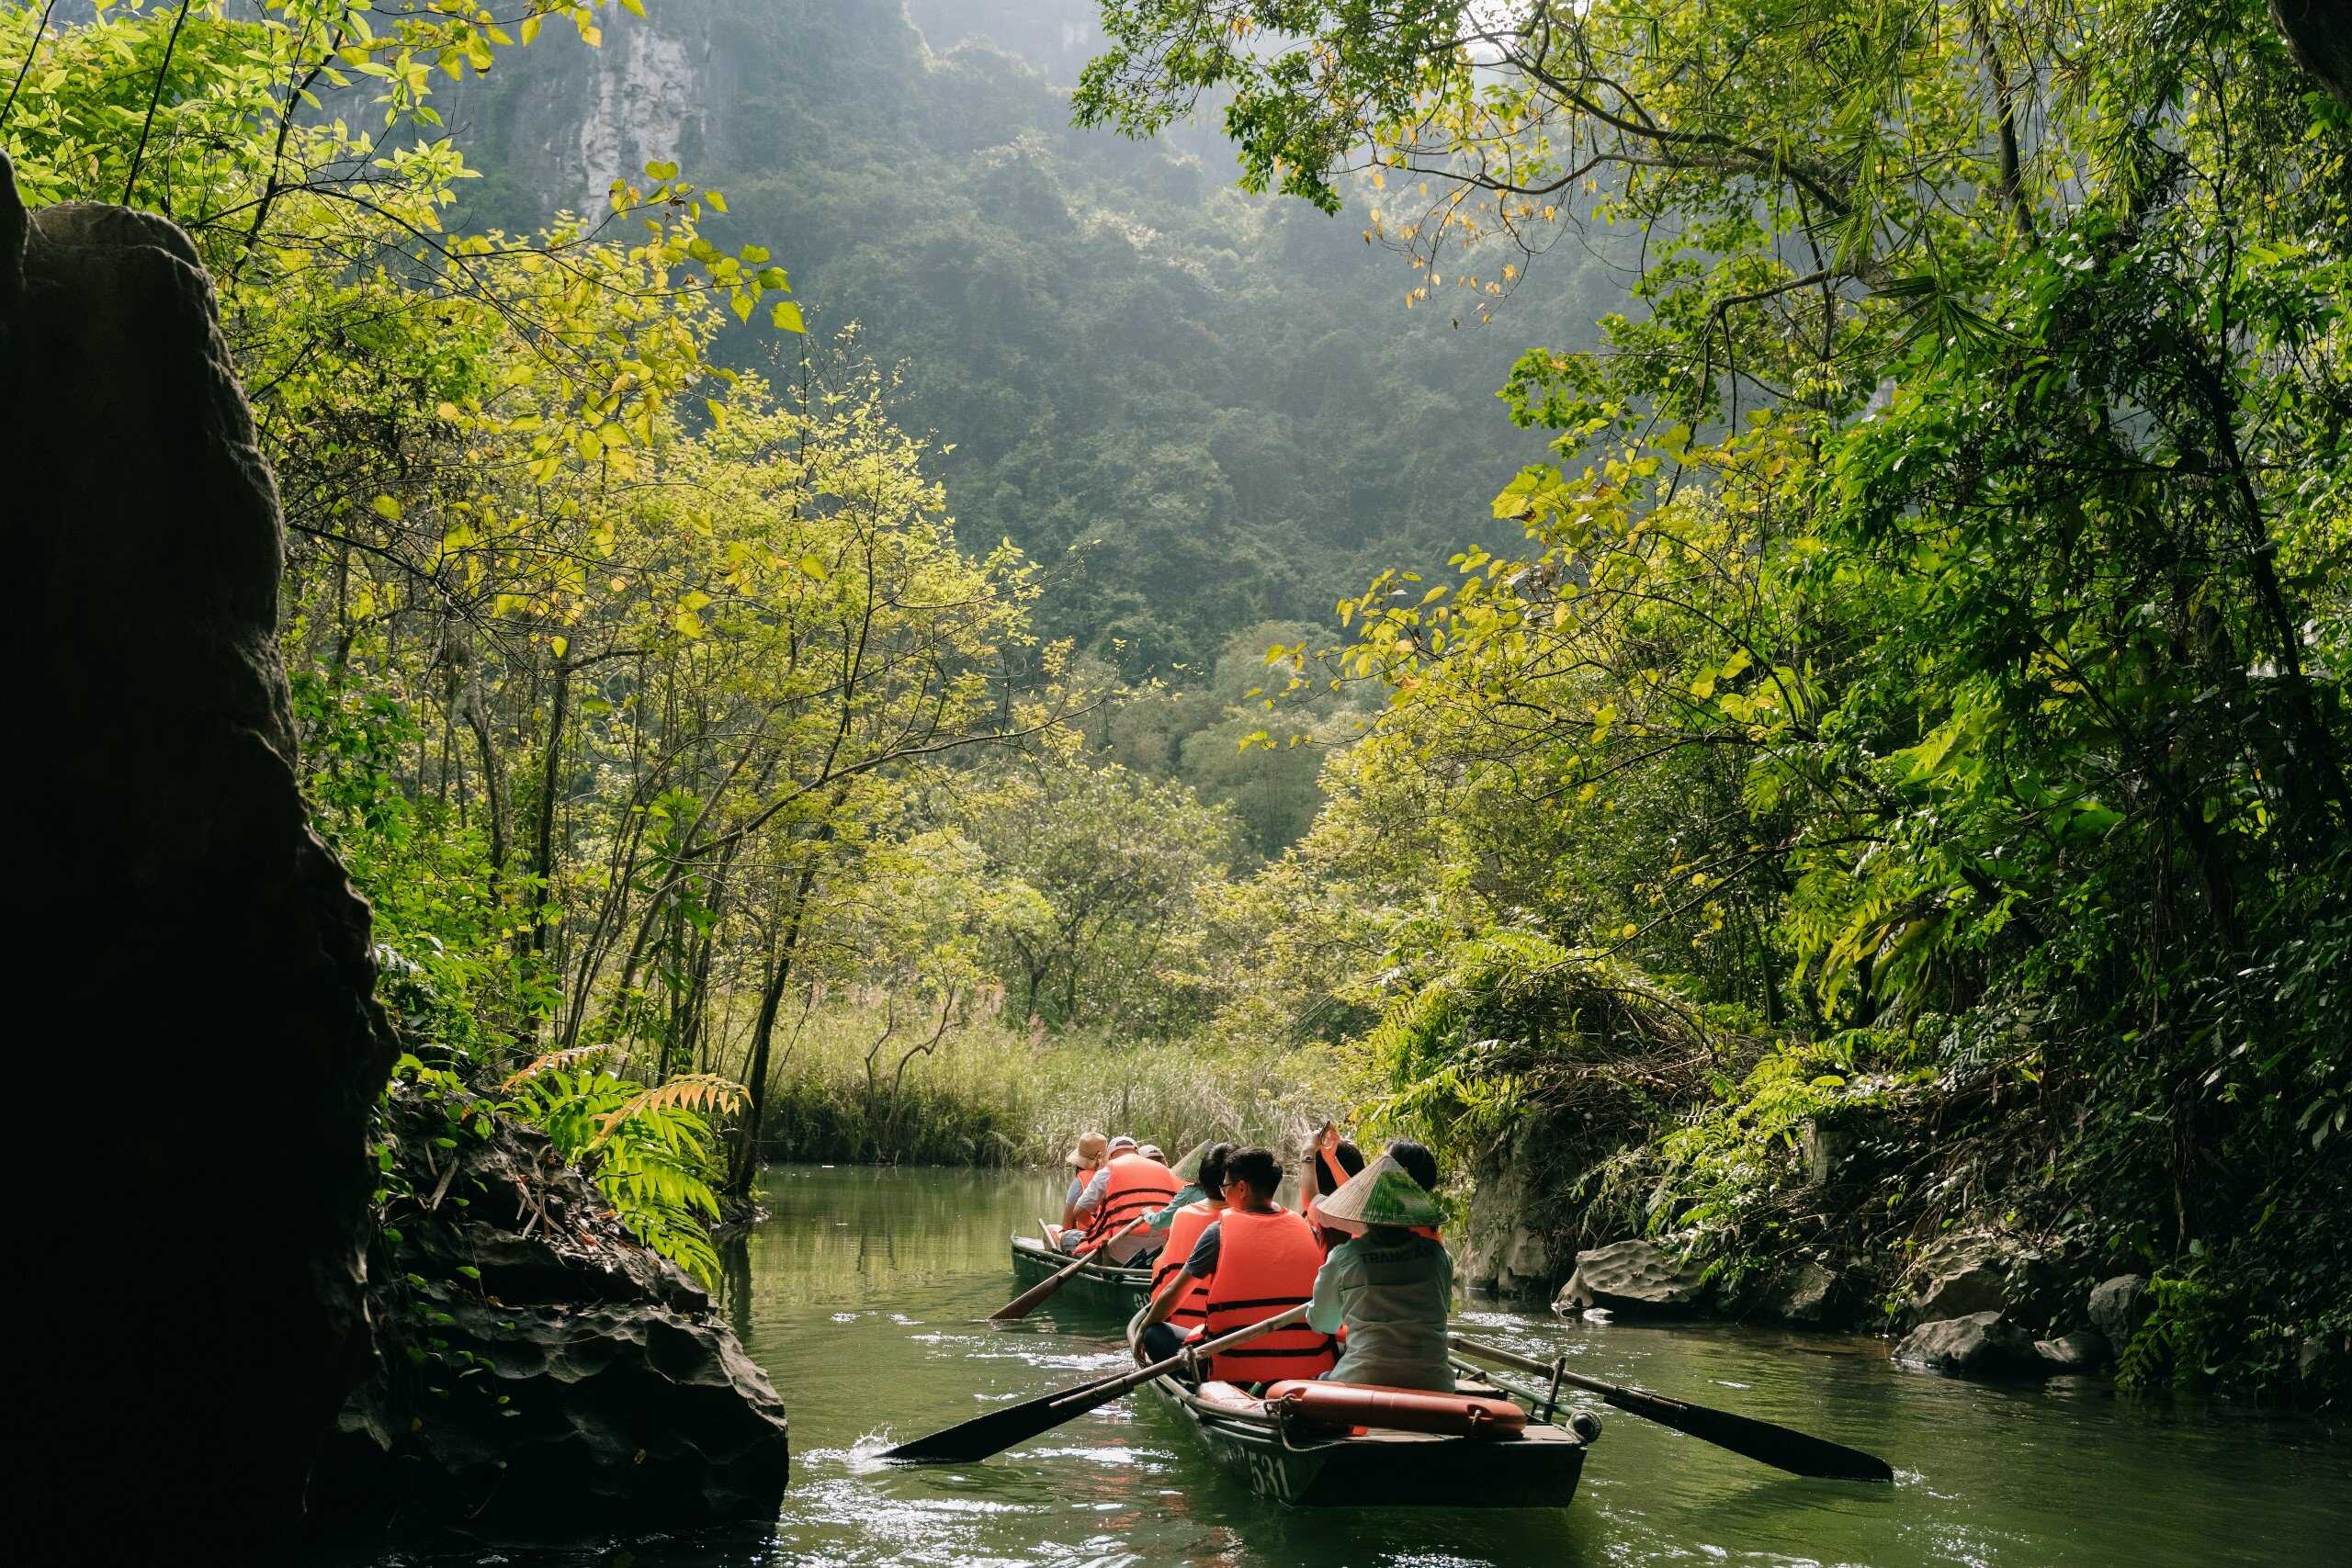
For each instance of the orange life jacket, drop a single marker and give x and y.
(1183, 1230)
(1265, 1264)
(1137, 1186)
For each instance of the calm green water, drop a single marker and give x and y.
(861, 1292)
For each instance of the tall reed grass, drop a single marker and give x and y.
(990, 1096)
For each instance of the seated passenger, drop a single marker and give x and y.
(1083, 1162)
(1421, 1166)
(1183, 1230)
(1390, 1288)
(1129, 1186)
(1328, 1164)
(1258, 1259)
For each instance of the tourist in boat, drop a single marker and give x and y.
(1331, 1161)
(1390, 1285)
(1185, 1224)
(1258, 1259)
(1084, 1160)
(1418, 1163)
(1128, 1187)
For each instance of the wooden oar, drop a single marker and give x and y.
(1794, 1451)
(1000, 1429)
(1020, 1305)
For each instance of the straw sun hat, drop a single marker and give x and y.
(1089, 1151)
(1382, 1193)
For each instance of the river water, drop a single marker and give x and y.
(862, 1291)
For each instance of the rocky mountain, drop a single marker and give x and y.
(1218, 402)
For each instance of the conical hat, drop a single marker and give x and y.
(1188, 1170)
(1382, 1193)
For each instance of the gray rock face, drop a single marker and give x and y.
(1966, 1274)
(1504, 1250)
(627, 1403)
(1807, 1293)
(1979, 1344)
(176, 906)
(1632, 1277)
(2085, 1351)
(1834, 1149)
(2117, 1306)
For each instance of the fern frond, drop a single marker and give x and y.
(553, 1061)
(689, 1091)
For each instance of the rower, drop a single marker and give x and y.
(1390, 1286)
(1258, 1259)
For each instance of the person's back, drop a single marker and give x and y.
(1267, 1263)
(1393, 1290)
(1391, 1285)
(1134, 1186)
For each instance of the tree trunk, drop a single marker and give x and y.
(755, 1078)
(543, 850)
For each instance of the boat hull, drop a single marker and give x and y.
(1104, 1290)
(1310, 1469)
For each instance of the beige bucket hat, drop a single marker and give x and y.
(1091, 1148)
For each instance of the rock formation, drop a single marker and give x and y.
(208, 961)
(1972, 1272)
(2116, 1305)
(1978, 1343)
(573, 1386)
(206, 1306)
(1632, 1277)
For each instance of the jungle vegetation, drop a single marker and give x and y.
(1892, 671)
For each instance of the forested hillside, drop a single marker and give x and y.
(1845, 758)
(1218, 400)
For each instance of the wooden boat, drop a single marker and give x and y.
(1291, 1460)
(1104, 1288)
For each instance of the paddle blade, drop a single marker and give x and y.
(1019, 1306)
(1000, 1429)
(1799, 1453)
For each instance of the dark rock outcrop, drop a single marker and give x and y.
(1637, 1278)
(1809, 1292)
(1973, 1273)
(212, 973)
(2085, 1351)
(199, 945)
(579, 1385)
(2319, 36)
(1979, 1344)
(2116, 1305)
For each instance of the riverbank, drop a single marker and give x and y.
(1836, 1195)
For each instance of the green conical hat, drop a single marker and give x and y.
(1382, 1193)
(1188, 1170)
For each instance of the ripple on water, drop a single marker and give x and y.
(2015, 1478)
